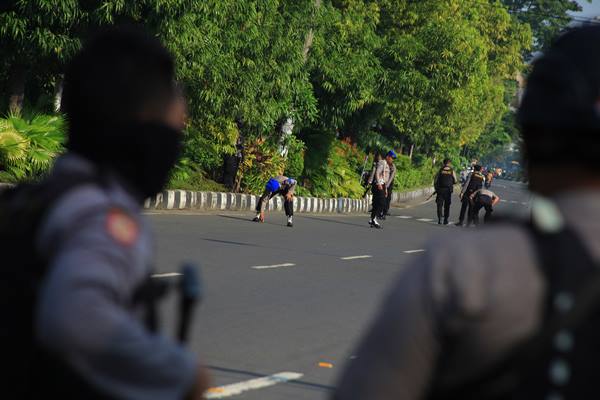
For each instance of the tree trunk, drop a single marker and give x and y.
(410, 153)
(16, 88)
(58, 89)
(401, 149)
(310, 36)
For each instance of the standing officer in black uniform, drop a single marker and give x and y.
(474, 182)
(444, 186)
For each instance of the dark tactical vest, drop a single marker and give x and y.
(476, 182)
(445, 178)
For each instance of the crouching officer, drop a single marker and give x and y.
(279, 185)
(444, 186)
(91, 249)
(474, 182)
(483, 198)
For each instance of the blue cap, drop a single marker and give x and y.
(272, 185)
(392, 154)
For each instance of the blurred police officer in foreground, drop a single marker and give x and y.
(444, 186)
(474, 182)
(518, 319)
(95, 250)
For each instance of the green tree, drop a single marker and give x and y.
(547, 18)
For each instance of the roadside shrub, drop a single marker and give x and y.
(262, 161)
(29, 146)
(411, 176)
(294, 166)
(339, 175)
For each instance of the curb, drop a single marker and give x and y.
(218, 201)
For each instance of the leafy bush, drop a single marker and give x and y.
(187, 178)
(339, 175)
(411, 175)
(28, 146)
(205, 146)
(262, 161)
(294, 166)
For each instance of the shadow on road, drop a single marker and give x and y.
(232, 242)
(365, 225)
(249, 220)
(300, 383)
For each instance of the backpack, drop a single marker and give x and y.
(558, 362)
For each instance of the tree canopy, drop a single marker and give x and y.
(350, 76)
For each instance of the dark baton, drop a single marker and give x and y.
(190, 291)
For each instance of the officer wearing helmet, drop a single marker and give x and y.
(279, 185)
(381, 180)
(519, 319)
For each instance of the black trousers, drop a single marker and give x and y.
(388, 200)
(477, 207)
(443, 201)
(379, 200)
(288, 205)
(465, 208)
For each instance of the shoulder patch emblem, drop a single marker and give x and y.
(122, 227)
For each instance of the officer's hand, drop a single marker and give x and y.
(201, 385)
(289, 196)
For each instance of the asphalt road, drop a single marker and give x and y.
(281, 299)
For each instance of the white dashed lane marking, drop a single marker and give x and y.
(273, 266)
(355, 257)
(234, 389)
(425, 219)
(404, 216)
(166, 275)
(414, 251)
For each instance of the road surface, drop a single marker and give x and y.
(284, 307)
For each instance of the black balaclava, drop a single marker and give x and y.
(142, 154)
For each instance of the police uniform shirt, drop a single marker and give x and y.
(486, 298)
(485, 193)
(282, 182)
(392, 175)
(382, 173)
(100, 250)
